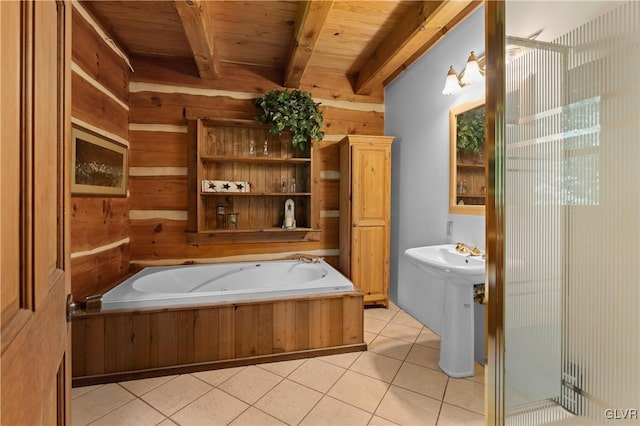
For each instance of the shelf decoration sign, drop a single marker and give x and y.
(224, 186)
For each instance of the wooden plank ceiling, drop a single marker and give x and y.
(369, 41)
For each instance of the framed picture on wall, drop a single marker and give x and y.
(99, 165)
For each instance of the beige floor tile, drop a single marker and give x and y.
(341, 360)
(213, 408)
(168, 422)
(408, 408)
(424, 356)
(255, 417)
(142, 386)
(478, 374)
(428, 338)
(393, 307)
(76, 392)
(332, 412)
(379, 421)
(216, 377)
(373, 325)
(176, 394)
(450, 415)
(400, 332)
(421, 380)
(404, 318)
(282, 368)
(359, 390)
(381, 314)
(317, 375)
(250, 384)
(95, 404)
(377, 366)
(393, 348)
(134, 413)
(465, 394)
(369, 337)
(289, 401)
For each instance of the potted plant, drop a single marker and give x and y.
(470, 133)
(294, 111)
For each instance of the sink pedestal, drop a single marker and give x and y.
(460, 273)
(456, 340)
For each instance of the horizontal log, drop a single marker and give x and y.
(157, 149)
(248, 79)
(328, 192)
(98, 272)
(154, 239)
(344, 121)
(168, 108)
(97, 222)
(327, 155)
(98, 59)
(158, 193)
(94, 107)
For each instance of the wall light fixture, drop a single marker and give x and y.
(472, 74)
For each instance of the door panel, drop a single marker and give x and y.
(10, 168)
(371, 254)
(35, 150)
(370, 183)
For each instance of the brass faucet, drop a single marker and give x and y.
(465, 249)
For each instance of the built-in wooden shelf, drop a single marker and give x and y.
(470, 196)
(219, 150)
(256, 194)
(246, 235)
(471, 166)
(257, 159)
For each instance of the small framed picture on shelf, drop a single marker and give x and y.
(99, 165)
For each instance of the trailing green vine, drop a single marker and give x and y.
(470, 130)
(294, 110)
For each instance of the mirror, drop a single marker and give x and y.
(467, 183)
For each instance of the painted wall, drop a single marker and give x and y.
(99, 103)
(417, 114)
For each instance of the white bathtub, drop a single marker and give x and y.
(224, 282)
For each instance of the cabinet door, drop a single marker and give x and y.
(371, 185)
(370, 261)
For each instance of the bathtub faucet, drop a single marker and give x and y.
(465, 249)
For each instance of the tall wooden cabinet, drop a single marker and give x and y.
(365, 205)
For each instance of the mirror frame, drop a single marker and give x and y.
(454, 208)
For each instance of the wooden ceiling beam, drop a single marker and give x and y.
(311, 18)
(196, 24)
(418, 28)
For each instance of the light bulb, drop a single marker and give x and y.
(452, 85)
(472, 73)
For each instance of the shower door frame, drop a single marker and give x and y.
(495, 209)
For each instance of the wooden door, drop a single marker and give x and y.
(34, 225)
(371, 186)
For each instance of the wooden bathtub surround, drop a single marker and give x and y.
(219, 150)
(122, 345)
(365, 204)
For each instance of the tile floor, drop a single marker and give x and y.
(397, 381)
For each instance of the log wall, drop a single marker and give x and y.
(159, 93)
(99, 225)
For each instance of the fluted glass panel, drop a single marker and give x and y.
(572, 194)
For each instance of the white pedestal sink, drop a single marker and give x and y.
(460, 272)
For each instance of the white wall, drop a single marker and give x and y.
(417, 114)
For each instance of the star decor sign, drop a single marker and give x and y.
(224, 186)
